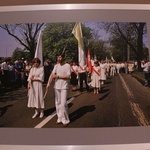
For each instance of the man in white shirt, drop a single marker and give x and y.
(4, 68)
(145, 67)
(61, 74)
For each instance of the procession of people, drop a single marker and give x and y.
(31, 75)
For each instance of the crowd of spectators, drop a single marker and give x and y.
(15, 74)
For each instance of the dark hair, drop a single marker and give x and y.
(36, 60)
(61, 54)
(96, 62)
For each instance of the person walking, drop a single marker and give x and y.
(103, 71)
(26, 72)
(130, 68)
(82, 72)
(61, 75)
(95, 77)
(46, 70)
(35, 88)
(145, 67)
(113, 69)
(74, 76)
(4, 69)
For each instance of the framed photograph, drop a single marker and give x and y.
(77, 147)
(116, 116)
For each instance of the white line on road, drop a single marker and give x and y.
(47, 119)
(137, 111)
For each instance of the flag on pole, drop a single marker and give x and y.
(89, 61)
(39, 51)
(95, 58)
(77, 32)
(112, 58)
(106, 59)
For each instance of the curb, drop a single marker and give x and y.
(141, 80)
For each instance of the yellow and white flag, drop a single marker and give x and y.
(39, 51)
(77, 32)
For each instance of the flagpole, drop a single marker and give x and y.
(66, 44)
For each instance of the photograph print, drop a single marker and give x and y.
(74, 75)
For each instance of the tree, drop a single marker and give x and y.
(132, 35)
(99, 49)
(25, 34)
(17, 54)
(58, 37)
(135, 33)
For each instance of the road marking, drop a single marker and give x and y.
(47, 119)
(137, 111)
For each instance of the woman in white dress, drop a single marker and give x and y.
(130, 67)
(103, 68)
(95, 77)
(35, 87)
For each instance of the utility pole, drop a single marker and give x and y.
(148, 30)
(128, 53)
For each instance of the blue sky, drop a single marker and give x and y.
(7, 44)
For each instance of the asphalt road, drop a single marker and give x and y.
(122, 102)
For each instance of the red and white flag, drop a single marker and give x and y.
(89, 64)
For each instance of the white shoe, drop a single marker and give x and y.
(35, 115)
(41, 115)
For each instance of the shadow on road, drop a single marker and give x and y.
(104, 91)
(75, 96)
(109, 77)
(48, 112)
(80, 112)
(11, 95)
(4, 109)
(108, 82)
(70, 105)
(104, 96)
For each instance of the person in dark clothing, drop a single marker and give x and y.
(82, 71)
(46, 70)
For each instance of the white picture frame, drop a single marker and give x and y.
(74, 13)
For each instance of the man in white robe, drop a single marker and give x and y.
(61, 74)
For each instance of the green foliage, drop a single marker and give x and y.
(19, 53)
(99, 49)
(124, 35)
(139, 75)
(58, 37)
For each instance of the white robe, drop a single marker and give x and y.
(95, 78)
(103, 71)
(35, 99)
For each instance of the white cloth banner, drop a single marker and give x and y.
(39, 51)
(77, 32)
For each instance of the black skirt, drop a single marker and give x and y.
(73, 80)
